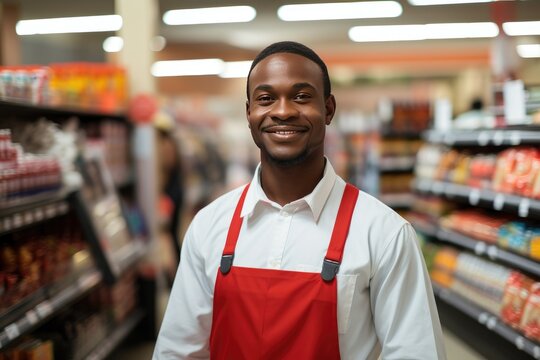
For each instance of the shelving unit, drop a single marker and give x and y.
(43, 306)
(397, 164)
(485, 328)
(514, 204)
(88, 272)
(490, 321)
(116, 337)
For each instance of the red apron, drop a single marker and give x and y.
(278, 314)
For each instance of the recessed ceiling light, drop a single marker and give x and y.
(79, 24)
(423, 32)
(213, 15)
(529, 50)
(113, 44)
(445, 2)
(236, 69)
(187, 67)
(522, 28)
(339, 11)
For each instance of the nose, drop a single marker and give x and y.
(284, 109)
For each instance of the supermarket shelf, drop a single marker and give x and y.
(497, 137)
(393, 134)
(522, 206)
(398, 200)
(29, 318)
(116, 337)
(481, 248)
(21, 108)
(397, 163)
(490, 321)
(31, 216)
(19, 205)
(128, 255)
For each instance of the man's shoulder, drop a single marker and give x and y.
(224, 203)
(372, 212)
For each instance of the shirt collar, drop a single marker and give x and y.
(315, 200)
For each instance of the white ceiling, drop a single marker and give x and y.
(328, 36)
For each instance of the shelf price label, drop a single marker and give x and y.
(44, 309)
(32, 317)
(523, 209)
(492, 252)
(519, 341)
(498, 138)
(474, 197)
(480, 248)
(515, 138)
(536, 352)
(491, 323)
(483, 318)
(498, 202)
(483, 138)
(12, 331)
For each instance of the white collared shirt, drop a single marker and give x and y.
(385, 300)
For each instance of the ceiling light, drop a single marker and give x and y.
(236, 69)
(529, 50)
(213, 15)
(337, 11)
(521, 28)
(445, 2)
(187, 67)
(80, 24)
(423, 32)
(113, 44)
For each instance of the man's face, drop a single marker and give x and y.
(286, 109)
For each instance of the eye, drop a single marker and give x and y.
(302, 97)
(264, 99)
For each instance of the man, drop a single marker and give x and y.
(298, 265)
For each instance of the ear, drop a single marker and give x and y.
(248, 112)
(330, 107)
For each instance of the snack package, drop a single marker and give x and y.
(530, 320)
(444, 265)
(517, 172)
(515, 296)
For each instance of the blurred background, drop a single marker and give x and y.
(119, 120)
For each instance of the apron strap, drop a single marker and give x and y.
(334, 254)
(232, 235)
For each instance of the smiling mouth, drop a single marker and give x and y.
(281, 130)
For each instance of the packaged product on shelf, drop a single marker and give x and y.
(520, 237)
(481, 171)
(475, 223)
(530, 320)
(517, 171)
(515, 296)
(444, 265)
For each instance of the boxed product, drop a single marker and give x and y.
(517, 172)
(515, 296)
(475, 223)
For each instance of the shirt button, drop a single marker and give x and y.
(285, 214)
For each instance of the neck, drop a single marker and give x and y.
(285, 184)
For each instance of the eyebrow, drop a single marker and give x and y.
(266, 87)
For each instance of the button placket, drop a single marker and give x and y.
(279, 239)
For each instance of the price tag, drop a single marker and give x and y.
(437, 188)
(28, 217)
(7, 223)
(474, 197)
(498, 138)
(483, 318)
(480, 248)
(491, 323)
(50, 211)
(17, 220)
(536, 352)
(32, 317)
(498, 202)
(44, 309)
(519, 342)
(492, 252)
(523, 209)
(63, 207)
(515, 138)
(38, 214)
(483, 138)
(12, 331)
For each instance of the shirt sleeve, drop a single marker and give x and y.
(186, 326)
(402, 303)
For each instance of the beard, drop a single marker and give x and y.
(297, 160)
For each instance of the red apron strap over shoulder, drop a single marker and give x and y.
(232, 235)
(340, 232)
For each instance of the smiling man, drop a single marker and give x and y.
(298, 264)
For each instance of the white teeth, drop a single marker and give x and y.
(285, 132)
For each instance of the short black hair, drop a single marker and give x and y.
(293, 48)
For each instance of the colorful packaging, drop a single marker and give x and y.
(515, 296)
(530, 320)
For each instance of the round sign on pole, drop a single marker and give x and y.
(142, 108)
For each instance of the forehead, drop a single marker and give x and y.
(280, 67)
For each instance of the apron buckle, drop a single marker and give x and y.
(226, 263)
(330, 269)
